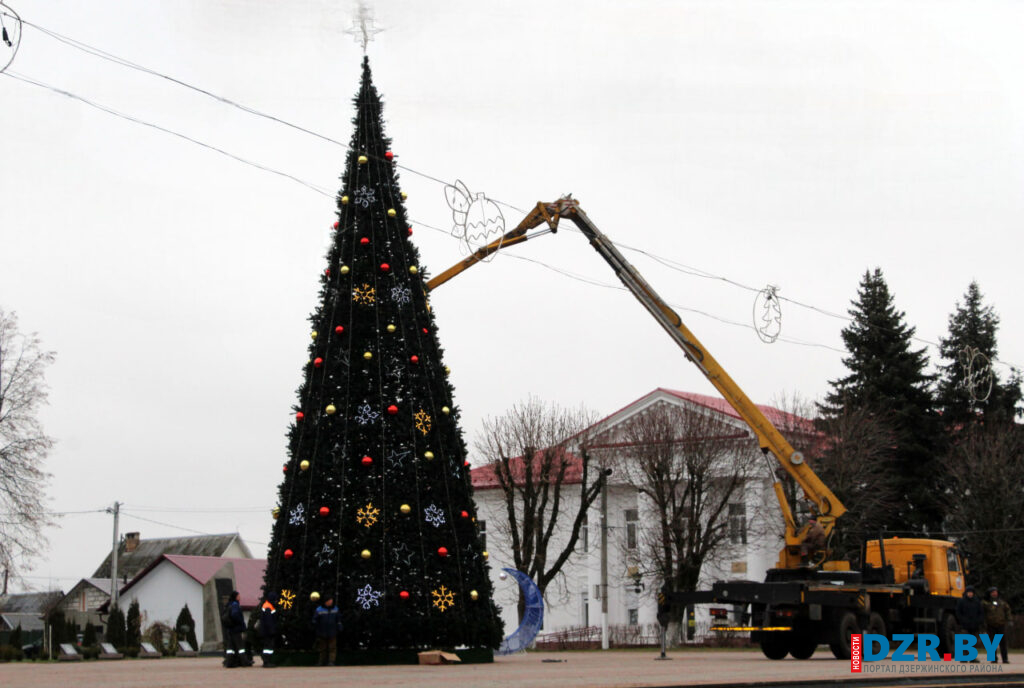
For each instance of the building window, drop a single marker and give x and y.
(585, 535)
(634, 617)
(481, 528)
(738, 524)
(631, 528)
(585, 603)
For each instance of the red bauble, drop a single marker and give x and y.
(442, 552)
(466, 464)
(426, 331)
(367, 461)
(390, 156)
(410, 231)
(284, 468)
(404, 594)
(288, 554)
(324, 511)
(392, 409)
(465, 514)
(300, 415)
(414, 358)
(339, 329)
(336, 224)
(384, 267)
(364, 241)
(317, 362)
(327, 271)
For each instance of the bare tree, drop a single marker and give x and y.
(535, 450)
(23, 445)
(852, 453)
(985, 474)
(690, 466)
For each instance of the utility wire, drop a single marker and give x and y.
(674, 265)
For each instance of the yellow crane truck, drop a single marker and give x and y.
(904, 585)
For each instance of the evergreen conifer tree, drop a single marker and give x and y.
(89, 635)
(115, 634)
(15, 638)
(185, 619)
(887, 378)
(133, 627)
(972, 328)
(375, 508)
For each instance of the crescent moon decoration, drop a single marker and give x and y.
(533, 617)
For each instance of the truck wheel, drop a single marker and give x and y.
(803, 646)
(775, 645)
(876, 624)
(947, 634)
(845, 625)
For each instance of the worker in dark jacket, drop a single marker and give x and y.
(327, 623)
(997, 618)
(969, 613)
(268, 632)
(234, 634)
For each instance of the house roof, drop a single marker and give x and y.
(29, 602)
(130, 564)
(28, 622)
(248, 573)
(484, 477)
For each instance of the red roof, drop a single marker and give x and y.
(484, 478)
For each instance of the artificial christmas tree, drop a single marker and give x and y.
(375, 508)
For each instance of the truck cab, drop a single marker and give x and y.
(937, 562)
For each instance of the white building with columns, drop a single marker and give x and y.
(573, 601)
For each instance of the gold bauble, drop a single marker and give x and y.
(363, 159)
(330, 409)
(474, 595)
(313, 334)
(445, 410)
(365, 554)
(304, 465)
(314, 596)
(447, 370)
(391, 328)
(405, 508)
(275, 512)
(368, 355)
(428, 455)
(486, 554)
(413, 269)
(404, 195)
(391, 212)
(344, 200)
(344, 269)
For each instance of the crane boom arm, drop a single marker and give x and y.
(768, 436)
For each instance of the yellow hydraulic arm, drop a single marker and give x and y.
(768, 437)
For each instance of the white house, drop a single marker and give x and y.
(574, 601)
(203, 583)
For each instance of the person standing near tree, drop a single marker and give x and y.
(234, 633)
(969, 613)
(268, 632)
(327, 623)
(997, 618)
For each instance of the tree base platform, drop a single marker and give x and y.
(474, 655)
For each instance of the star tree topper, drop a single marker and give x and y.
(362, 28)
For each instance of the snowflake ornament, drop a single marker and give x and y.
(364, 295)
(366, 415)
(367, 516)
(367, 597)
(325, 556)
(443, 598)
(286, 599)
(365, 196)
(401, 295)
(434, 516)
(422, 421)
(297, 516)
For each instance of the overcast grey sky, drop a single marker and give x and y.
(795, 143)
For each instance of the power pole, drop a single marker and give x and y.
(604, 562)
(116, 510)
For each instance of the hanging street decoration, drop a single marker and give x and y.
(476, 219)
(977, 371)
(768, 314)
